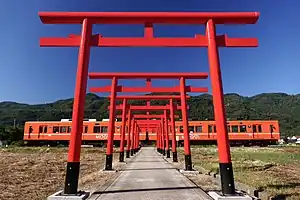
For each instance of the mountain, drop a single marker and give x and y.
(277, 106)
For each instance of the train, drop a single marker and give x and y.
(240, 132)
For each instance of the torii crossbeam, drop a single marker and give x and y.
(152, 116)
(149, 77)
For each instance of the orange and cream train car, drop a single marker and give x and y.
(245, 132)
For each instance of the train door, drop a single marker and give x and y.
(272, 129)
(212, 130)
(256, 129)
(30, 131)
(42, 130)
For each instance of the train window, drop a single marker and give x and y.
(181, 129)
(85, 129)
(103, 129)
(228, 129)
(243, 128)
(191, 129)
(40, 129)
(210, 129)
(45, 129)
(30, 129)
(259, 128)
(97, 129)
(63, 129)
(198, 129)
(235, 128)
(254, 128)
(55, 129)
(69, 129)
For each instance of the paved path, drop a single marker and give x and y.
(149, 176)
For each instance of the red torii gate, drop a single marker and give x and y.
(148, 98)
(161, 140)
(165, 124)
(134, 144)
(148, 126)
(114, 88)
(210, 40)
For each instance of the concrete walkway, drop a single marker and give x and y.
(149, 176)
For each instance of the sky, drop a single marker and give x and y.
(33, 74)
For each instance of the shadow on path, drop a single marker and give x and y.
(148, 169)
(146, 189)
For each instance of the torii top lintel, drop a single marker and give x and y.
(147, 107)
(148, 75)
(150, 97)
(149, 17)
(140, 116)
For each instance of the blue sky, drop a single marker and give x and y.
(32, 74)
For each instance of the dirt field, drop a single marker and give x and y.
(35, 173)
(275, 170)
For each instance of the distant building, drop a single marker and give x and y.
(293, 140)
(107, 120)
(3, 143)
(298, 140)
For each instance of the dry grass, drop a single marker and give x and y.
(275, 170)
(35, 173)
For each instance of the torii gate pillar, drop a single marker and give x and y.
(111, 125)
(123, 130)
(174, 151)
(225, 164)
(166, 126)
(73, 165)
(130, 126)
(187, 147)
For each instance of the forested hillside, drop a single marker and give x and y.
(278, 106)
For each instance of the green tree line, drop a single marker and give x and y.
(266, 106)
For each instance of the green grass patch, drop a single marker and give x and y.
(276, 170)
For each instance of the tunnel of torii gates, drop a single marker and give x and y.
(162, 134)
(114, 88)
(162, 127)
(210, 40)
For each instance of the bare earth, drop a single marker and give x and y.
(35, 173)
